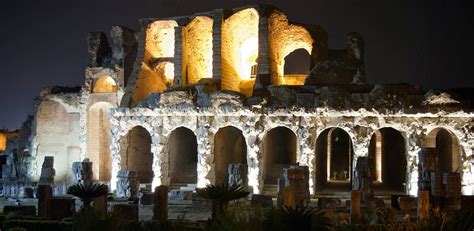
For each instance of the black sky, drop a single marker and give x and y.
(43, 42)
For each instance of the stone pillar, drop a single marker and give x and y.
(264, 72)
(218, 17)
(238, 175)
(297, 177)
(47, 171)
(423, 205)
(355, 206)
(82, 171)
(160, 209)
(61, 207)
(204, 153)
(363, 179)
(178, 60)
(45, 193)
(127, 184)
(156, 149)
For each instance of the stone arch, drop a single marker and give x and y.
(239, 50)
(447, 148)
(296, 67)
(136, 154)
(197, 50)
(279, 151)
(104, 84)
(388, 155)
(229, 148)
(334, 153)
(183, 156)
(52, 122)
(98, 140)
(284, 38)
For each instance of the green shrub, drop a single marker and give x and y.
(38, 225)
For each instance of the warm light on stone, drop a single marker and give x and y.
(3, 142)
(104, 84)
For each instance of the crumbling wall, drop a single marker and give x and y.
(197, 50)
(283, 39)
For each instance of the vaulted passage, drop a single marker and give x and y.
(333, 160)
(98, 136)
(447, 149)
(279, 152)
(387, 153)
(182, 147)
(229, 148)
(135, 152)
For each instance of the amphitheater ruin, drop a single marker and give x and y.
(184, 97)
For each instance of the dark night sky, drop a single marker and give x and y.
(420, 42)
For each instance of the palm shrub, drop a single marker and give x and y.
(87, 192)
(87, 219)
(221, 195)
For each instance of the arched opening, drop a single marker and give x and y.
(279, 151)
(333, 160)
(447, 149)
(283, 39)
(387, 153)
(239, 51)
(297, 65)
(182, 147)
(135, 152)
(197, 50)
(229, 148)
(98, 144)
(104, 84)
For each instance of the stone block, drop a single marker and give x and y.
(238, 174)
(423, 205)
(82, 171)
(147, 198)
(355, 206)
(100, 206)
(127, 184)
(126, 212)
(61, 207)
(261, 200)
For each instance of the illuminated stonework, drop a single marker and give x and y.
(186, 96)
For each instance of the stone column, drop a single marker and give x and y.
(160, 209)
(363, 179)
(127, 184)
(253, 161)
(47, 171)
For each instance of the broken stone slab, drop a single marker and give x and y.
(180, 195)
(296, 177)
(45, 193)
(127, 184)
(261, 200)
(160, 199)
(82, 171)
(363, 179)
(406, 203)
(238, 175)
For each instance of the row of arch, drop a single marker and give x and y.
(333, 163)
(177, 55)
